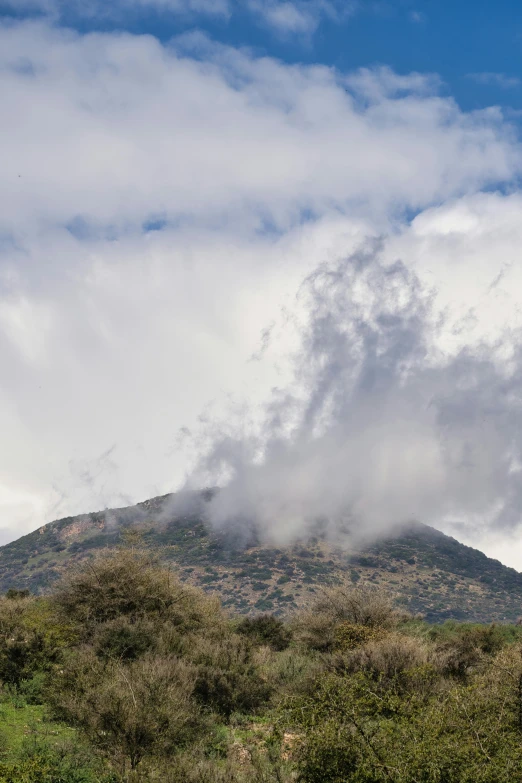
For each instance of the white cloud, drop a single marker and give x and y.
(97, 8)
(377, 84)
(124, 124)
(300, 17)
(114, 337)
(287, 17)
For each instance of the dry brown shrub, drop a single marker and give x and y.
(389, 656)
(293, 672)
(228, 677)
(362, 605)
(366, 606)
(461, 655)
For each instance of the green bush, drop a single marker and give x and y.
(131, 584)
(119, 639)
(132, 710)
(33, 690)
(32, 638)
(67, 764)
(227, 678)
(372, 729)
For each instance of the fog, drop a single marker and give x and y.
(381, 423)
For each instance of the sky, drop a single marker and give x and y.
(269, 244)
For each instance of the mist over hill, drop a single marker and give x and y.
(428, 571)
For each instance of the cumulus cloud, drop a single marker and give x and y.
(122, 121)
(160, 206)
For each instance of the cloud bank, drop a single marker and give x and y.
(160, 207)
(122, 120)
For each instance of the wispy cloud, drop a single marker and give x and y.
(285, 17)
(96, 8)
(501, 80)
(418, 17)
(298, 17)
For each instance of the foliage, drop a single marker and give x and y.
(227, 680)
(129, 710)
(123, 675)
(348, 635)
(130, 583)
(32, 638)
(365, 606)
(266, 629)
(68, 764)
(408, 726)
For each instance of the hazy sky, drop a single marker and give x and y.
(173, 171)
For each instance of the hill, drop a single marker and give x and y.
(431, 573)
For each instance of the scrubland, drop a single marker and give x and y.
(124, 673)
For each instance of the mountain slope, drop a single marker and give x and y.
(430, 572)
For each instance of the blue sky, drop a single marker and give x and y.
(177, 175)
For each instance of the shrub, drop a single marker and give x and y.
(324, 759)
(120, 639)
(365, 606)
(129, 710)
(314, 631)
(294, 672)
(32, 638)
(131, 583)
(461, 647)
(12, 593)
(348, 636)
(227, 678)
(266, 629)
(389, 657)
(33, 690)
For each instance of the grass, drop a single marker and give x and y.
(21, 723)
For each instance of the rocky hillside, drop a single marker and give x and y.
(429, 572)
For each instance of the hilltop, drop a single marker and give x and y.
(430, 572)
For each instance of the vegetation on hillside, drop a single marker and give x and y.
(123, 673)
(430, 572)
